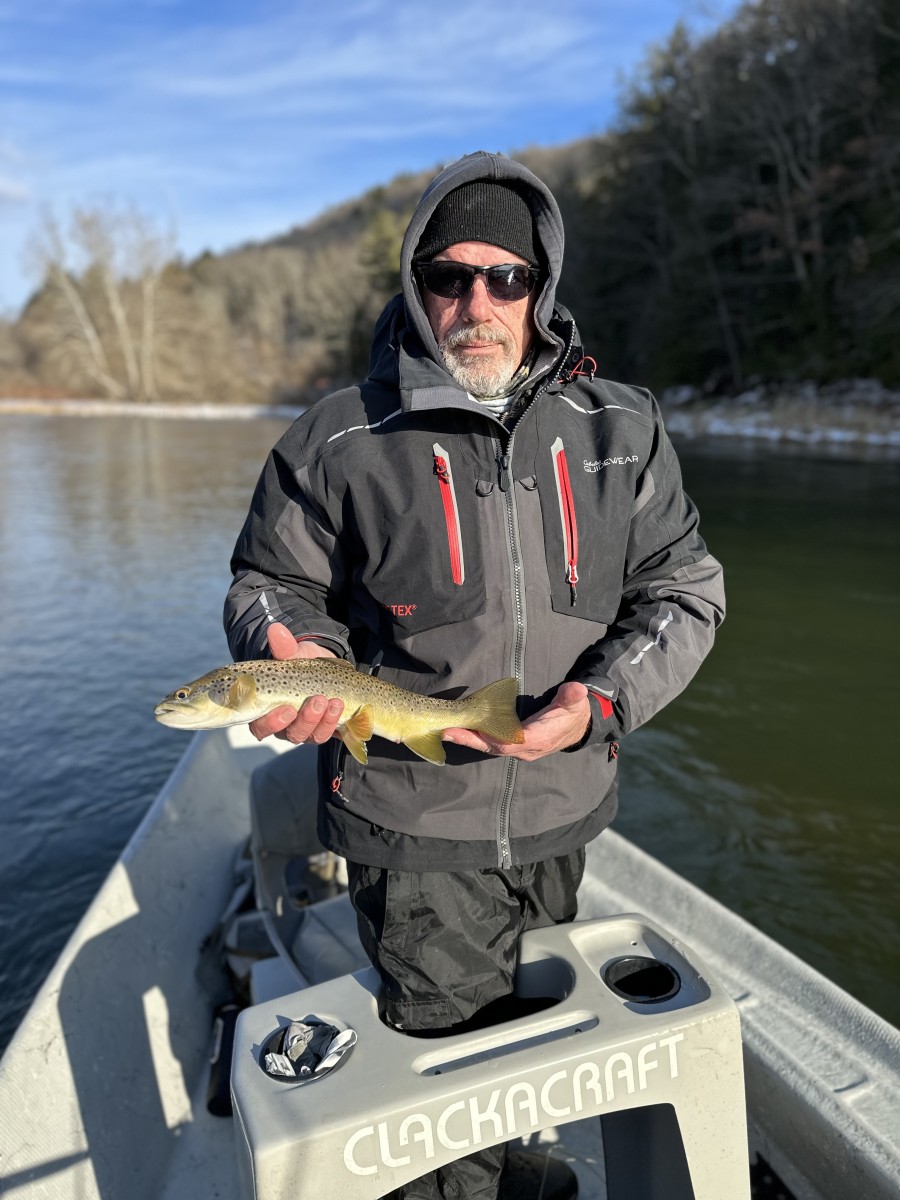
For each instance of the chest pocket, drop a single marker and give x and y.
(586, 516)
(422, 564)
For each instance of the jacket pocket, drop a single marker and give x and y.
(421, 561)
(586, 522)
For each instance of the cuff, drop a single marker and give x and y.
(605, 724)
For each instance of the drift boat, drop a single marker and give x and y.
(104, 1087)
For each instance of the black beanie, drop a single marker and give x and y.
(480, 212)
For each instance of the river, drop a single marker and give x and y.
(771, 782)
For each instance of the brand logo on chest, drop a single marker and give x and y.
(598, 464)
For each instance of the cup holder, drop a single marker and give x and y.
(641, 980)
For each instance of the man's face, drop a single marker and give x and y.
(483, 340)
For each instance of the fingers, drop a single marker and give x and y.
(571, 695)
(273, 722)
(477, 741)
(282, 643)
(562, 723)
(316, 721)
(466, 737)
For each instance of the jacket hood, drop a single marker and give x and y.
(548, 232)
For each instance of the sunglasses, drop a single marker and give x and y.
(453, 280)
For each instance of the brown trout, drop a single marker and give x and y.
(241, 692)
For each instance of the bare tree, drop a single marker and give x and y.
(100, 285)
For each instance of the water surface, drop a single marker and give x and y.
(771, 782)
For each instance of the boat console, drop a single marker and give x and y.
(633, 1031)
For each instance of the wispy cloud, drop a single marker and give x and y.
(231, 116)
(12, 192)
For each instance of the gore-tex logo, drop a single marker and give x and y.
(599, 463)
(401, 610)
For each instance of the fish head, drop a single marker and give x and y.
(224, 697)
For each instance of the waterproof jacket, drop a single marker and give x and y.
(407, 529)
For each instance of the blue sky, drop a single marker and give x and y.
(232, 122)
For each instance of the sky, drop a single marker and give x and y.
(228, 122)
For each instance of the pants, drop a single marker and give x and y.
(445, 944)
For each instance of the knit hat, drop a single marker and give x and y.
(481, 211)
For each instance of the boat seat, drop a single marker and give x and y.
(325, 946)
(300, 887)
(327, 943)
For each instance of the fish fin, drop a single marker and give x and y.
(492, 710)
(354, 745)
(356, 731)
(428, 746)
(242, 692)
(362, 723)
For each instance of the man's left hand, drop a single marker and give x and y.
(562, 723)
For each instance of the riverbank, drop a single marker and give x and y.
(111, 408)
(854, 413)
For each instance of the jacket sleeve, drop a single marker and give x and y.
(288, 564)
(673, 599)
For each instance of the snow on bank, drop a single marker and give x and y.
(108, 408)
(853, 412)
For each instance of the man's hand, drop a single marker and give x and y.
(562, 723)
(318, 718)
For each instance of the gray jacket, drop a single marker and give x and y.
(402, 526)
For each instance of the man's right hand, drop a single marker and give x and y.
(318, 717)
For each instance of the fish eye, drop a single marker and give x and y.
(182, 693)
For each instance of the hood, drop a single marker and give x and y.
(548, 229)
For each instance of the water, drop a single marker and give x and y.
(770, 783)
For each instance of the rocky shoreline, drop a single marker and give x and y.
(854, 413)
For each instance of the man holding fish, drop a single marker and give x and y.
(480, 508)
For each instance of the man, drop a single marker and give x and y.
(480, 507)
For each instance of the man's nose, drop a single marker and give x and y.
(479, 306)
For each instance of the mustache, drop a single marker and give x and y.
(475, 333)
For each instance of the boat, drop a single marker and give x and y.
(104, 1087)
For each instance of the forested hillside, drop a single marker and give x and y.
(740, 222)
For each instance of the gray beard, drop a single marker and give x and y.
(484, 381)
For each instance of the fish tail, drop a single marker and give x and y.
(492, 710)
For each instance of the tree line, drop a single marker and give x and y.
(739, 222)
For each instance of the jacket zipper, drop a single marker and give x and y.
(451, 513)
(503, 458)
(504, 849)
(567, 516)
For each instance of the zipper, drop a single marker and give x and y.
(566, 516)
(503, 459)
(504, 849)
(451, 513)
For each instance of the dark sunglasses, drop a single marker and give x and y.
(452, 280)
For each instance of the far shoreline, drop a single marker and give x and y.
(859, 415)
(112, 408)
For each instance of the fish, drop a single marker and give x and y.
(241, 692)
